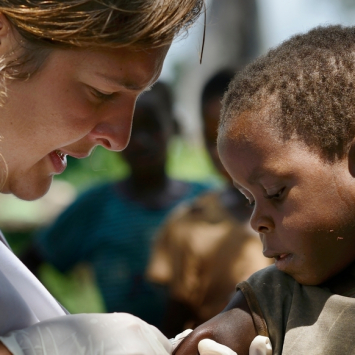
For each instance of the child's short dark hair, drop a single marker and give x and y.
(307, 86)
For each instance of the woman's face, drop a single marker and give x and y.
(78, 100)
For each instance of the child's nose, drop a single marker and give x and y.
(260, 222)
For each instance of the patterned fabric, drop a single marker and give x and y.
(113, 234)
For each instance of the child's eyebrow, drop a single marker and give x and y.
(256, 175)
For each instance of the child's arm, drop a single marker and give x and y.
(234, 327)
(4, 350)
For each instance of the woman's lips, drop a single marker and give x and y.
(59, 161)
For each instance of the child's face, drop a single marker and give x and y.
(304, 208)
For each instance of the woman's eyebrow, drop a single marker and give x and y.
(125, 83)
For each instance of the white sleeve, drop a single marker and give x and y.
(23, 299)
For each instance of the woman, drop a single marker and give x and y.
(70, 74)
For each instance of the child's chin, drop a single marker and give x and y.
(306, 280)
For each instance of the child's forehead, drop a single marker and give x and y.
(250, 129)
(267, 161)
(245, 139)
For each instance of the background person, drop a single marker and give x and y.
(206, 247)
(111, 226)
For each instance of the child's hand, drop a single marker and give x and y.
(233, 328)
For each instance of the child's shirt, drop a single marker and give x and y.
(299, 319)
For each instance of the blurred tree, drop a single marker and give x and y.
(232, 40)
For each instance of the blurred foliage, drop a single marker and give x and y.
(76, 291)
(185, 161)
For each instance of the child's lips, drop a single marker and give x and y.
(281, 256)
(282, 261)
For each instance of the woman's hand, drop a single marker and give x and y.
(116, 333)
(233, 328)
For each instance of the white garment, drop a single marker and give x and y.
(24, 301)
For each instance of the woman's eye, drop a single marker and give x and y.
(101, 95)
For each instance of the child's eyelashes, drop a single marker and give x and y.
(277, 195)
(250, 204)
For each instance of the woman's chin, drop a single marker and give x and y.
(29, 191)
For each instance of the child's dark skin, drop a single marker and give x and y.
(304, 212)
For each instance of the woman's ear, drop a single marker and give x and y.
(351, 158)
(8, 38)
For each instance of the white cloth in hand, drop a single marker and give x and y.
(89, 334)
(260, 345)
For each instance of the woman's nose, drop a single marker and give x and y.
(261, 222)
(113, 130)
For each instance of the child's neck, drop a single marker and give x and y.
(343, 283)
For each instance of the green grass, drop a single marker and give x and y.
(76, 291)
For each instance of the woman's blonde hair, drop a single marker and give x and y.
(102, 23)
(47, 24)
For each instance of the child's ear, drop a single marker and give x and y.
(351, 159)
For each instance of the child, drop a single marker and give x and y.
(287, 138)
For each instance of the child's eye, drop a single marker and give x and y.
(277, 195)
(250, 204)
